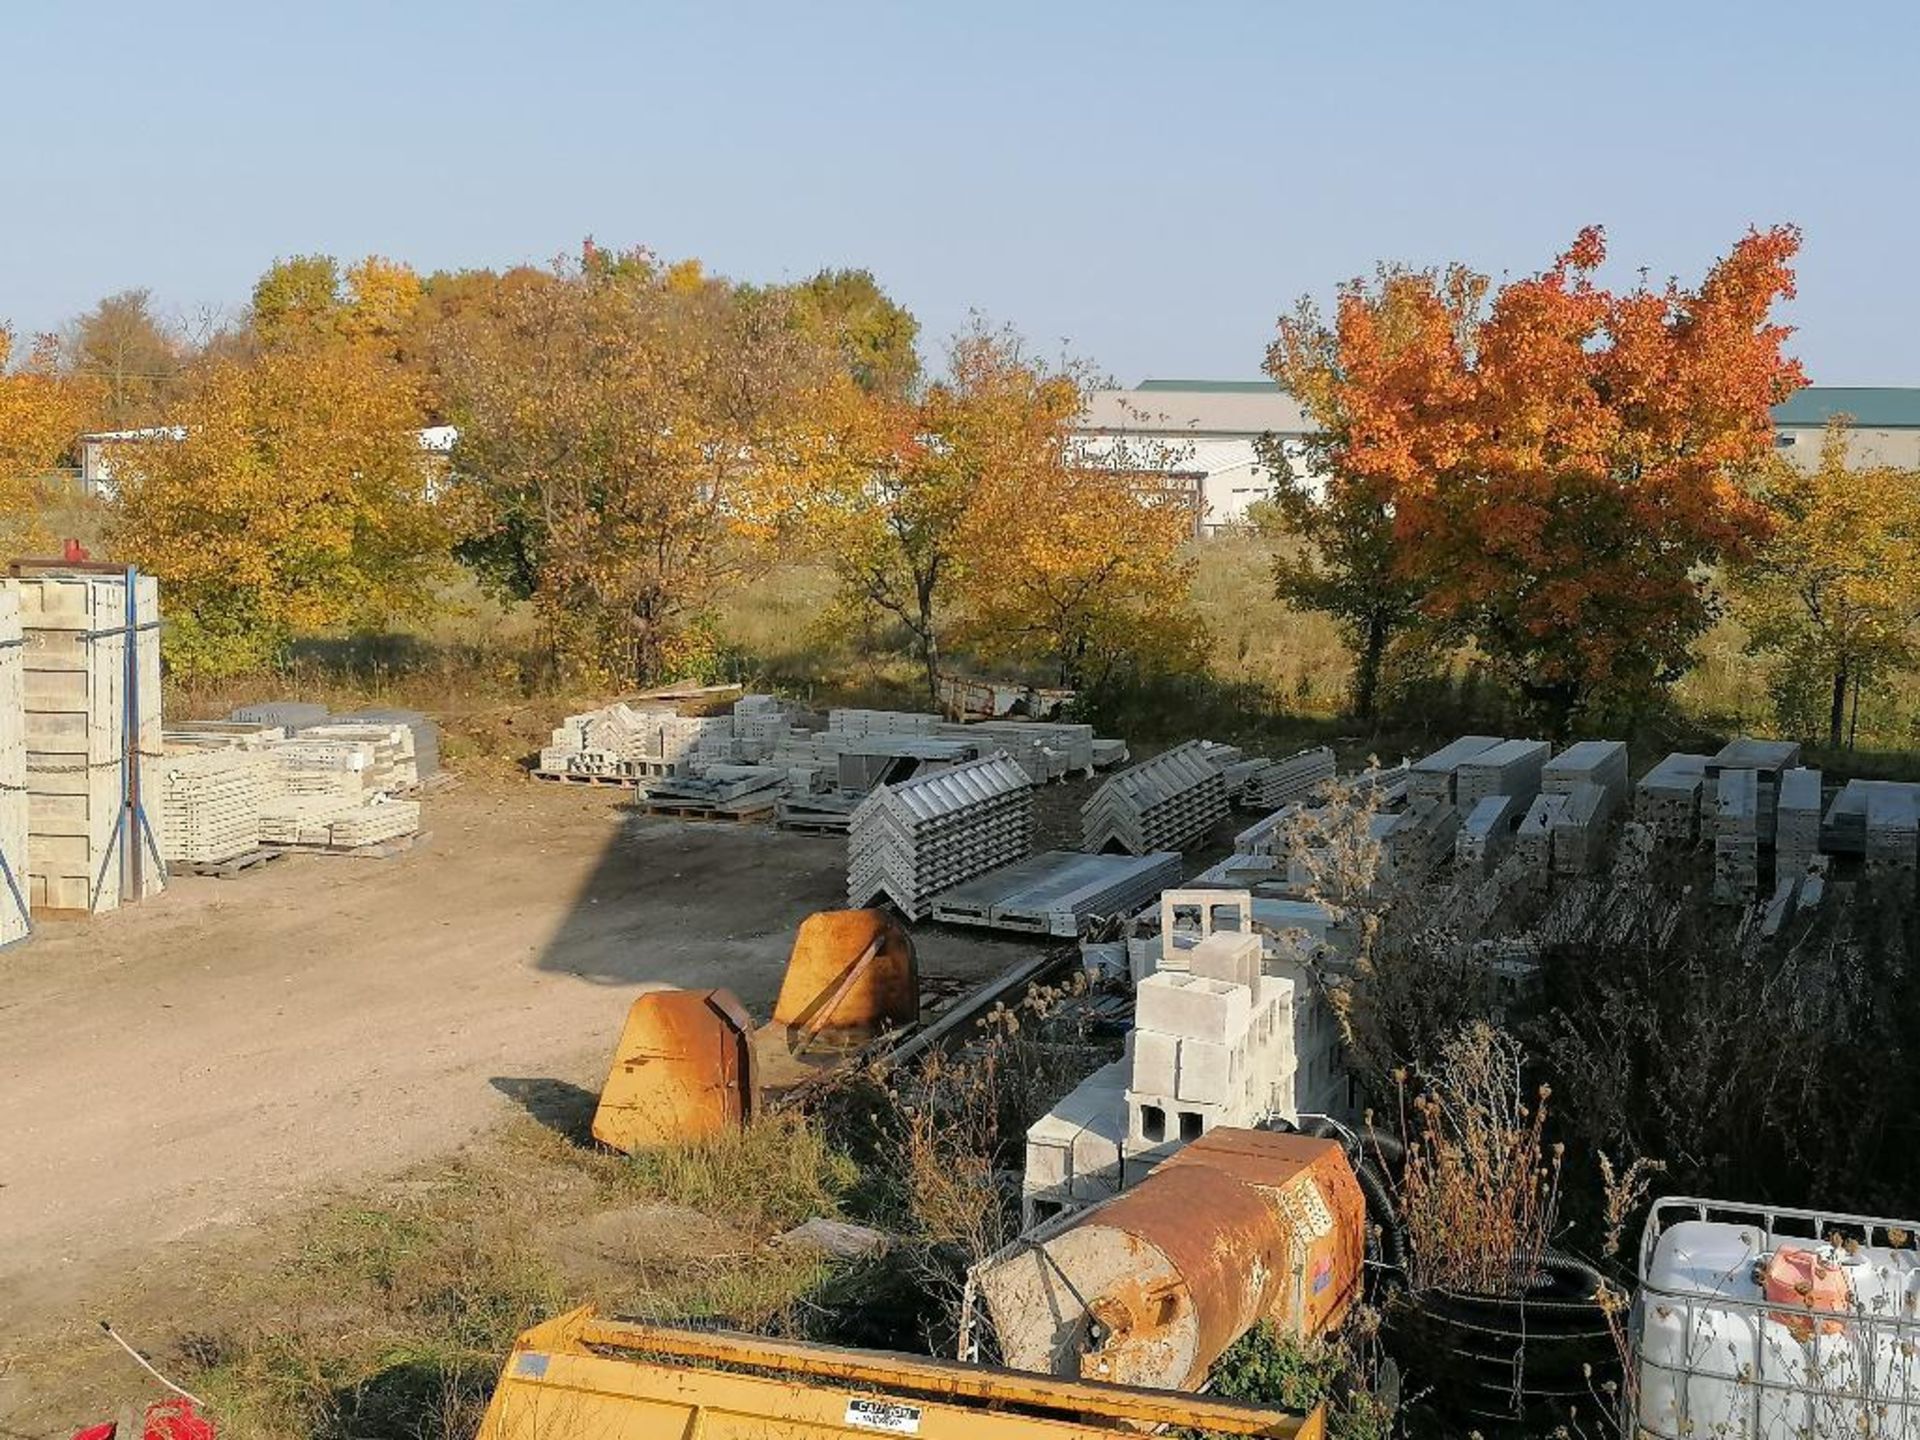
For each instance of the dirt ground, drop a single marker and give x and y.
(173, 1074)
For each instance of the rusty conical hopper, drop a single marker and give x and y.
(851, 975)
(683, 1069)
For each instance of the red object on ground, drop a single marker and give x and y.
(97, 1432)
(176, 1420)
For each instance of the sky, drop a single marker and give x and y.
(1146, 186)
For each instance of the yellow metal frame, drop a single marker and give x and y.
(579, 1377)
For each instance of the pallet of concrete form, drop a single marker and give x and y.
(289, 715)
(1668, 798)
(426, 734)
(1042, 762)
(1844, 829)
(1389, 786)
(1058, 892)
(348, 768)
(1486, 835)
(1533, 841)
(1766, 758)
(392, 767)
(209, 805)
(1166, 803)
(1239, 775)
(84, 846)
(1510, 768)
(1580, 829)
(1074, 743)
(323, 824)
(815, 814)
(882, 722)
(1297, 777)
(1417, 842)
(1796, 830)
(725, 792)
(1430, 781)
(14, 902)
(219, 735)
(1736, 837)
(865, 761)
(1109, 754)
(916, 840)
(1892, 833)
(1589, 762)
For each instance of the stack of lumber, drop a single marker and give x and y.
(209, 805)
(83, 848)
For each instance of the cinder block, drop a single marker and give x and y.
(1096, 1159)
(1229, 957)
(1155, 1058)
(1166, 1119)
(1050, 1151)
(1210, 1073)
(1177, 1004)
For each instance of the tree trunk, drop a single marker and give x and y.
(1366, 675)
(1837, 713)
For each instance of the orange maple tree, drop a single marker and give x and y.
(1562, 463)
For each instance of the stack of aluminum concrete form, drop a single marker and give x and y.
(183, 735)
(84, 844)
(209, 804)
(911, 842)
(1270, 836)
(1796, 835)
(1892, 834)
(392, 766)
(1580, 829)
(761, 723)
(1486, 835)
(1109, 753)
(1166, 803)
(1510, 768)
(1298, 777)
(1431, 781)
(1415, 842)
(289, 715)
(1072, 744)
(882, 722)
(1533, 841)
(1844, 830)
(1058, 892)
(1042, 761)
(1589, 762)
(1668, 798)
(322, 823)
(346, 767)
(865, 761)
(815, 813)
(426, 734)
(1736, 837)
(1766, 758)
(14, 903)
(723, 792)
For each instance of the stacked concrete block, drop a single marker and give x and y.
(1736, 837)
(1579, 828)
(1075, 1151)
(15, 905)
(1589, 762)
(1486, 835)
(1166, 803)
(87, 849)
(1431, 782)
(425, 733)
(1533, 841)
(1668, 798)
(911, 842)
(1766, 758)
(209, 804)
(1510, 768)
(391, 765)
(1892, 835)
(1296, 778)
(1796, 831)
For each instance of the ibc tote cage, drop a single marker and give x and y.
(131, 821)
(1817, 1397)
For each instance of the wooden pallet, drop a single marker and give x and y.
(811, 827)
(226, 869)
(438, 783)
(383, 850)
(569, 777)
(694, 810)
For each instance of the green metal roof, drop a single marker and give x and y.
(1871, 407)
(1212, 387)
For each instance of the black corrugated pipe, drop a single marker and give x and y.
(1393, 1244)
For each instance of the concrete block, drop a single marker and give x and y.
(1210, 1073)
(1159, 1119)
(1183, 1005)
(1096, 1157)
(1229, 957)
(1154, 1061)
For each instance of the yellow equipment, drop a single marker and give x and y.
(684, 1068)
(579, 1377)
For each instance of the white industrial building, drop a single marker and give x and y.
(97, 450)
(1198, 434)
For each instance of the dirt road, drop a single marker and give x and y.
(234, 1045)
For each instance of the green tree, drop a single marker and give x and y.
(298, 300)
(1833, 593)
(875, 335)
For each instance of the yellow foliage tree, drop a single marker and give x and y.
(42, 412)
(1834, 591)
(297, 499)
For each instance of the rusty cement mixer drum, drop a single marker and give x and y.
(683, 1069)
(1152, 1287)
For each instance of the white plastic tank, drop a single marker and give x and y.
(1714, 1356)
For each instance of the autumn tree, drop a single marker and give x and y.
(295, 500)
(620, 427)
(132, 358)
(874, 334)
(1833, 592)
(43, 409)
(309, 299)
(1562, 464)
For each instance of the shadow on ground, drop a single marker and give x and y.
(561, 1106)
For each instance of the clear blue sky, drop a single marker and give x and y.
(1152, 184)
